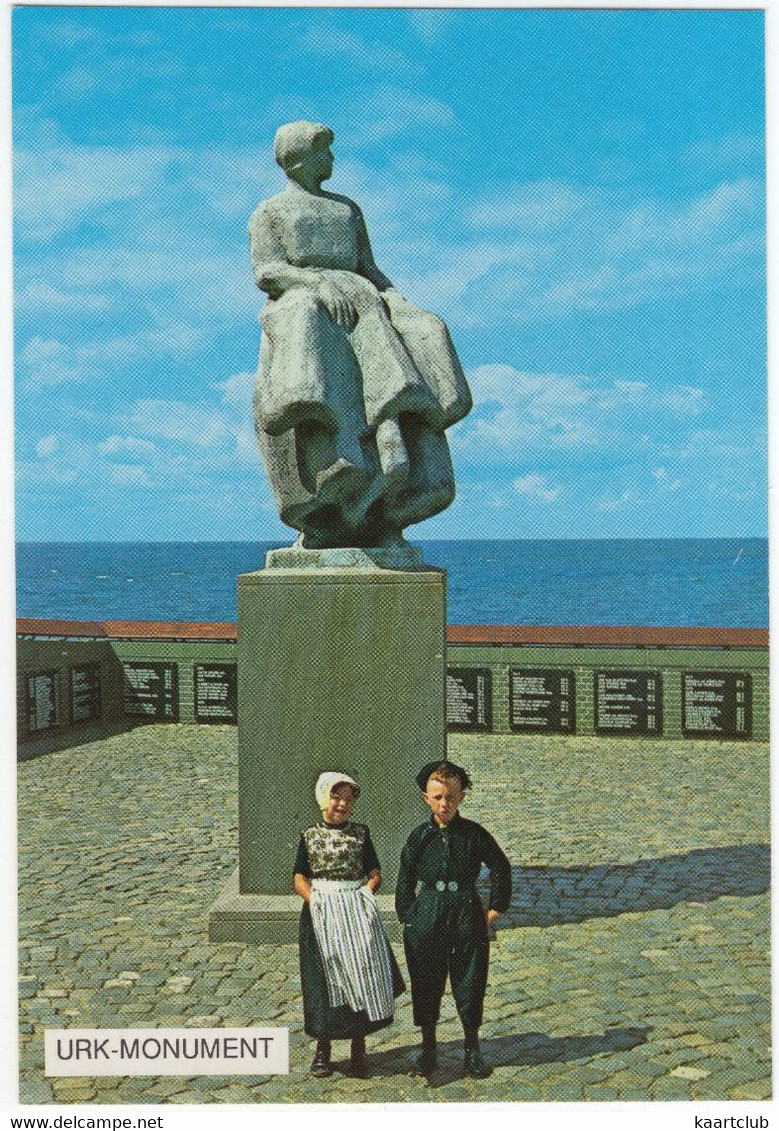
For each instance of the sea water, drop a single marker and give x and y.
(713, 581)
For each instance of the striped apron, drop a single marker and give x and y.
(353, 947)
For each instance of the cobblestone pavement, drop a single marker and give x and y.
(633, 964)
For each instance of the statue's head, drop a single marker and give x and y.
(302, 144)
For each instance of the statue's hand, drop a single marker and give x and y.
(340, 308)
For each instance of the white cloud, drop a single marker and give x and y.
(194, 285)
(246, 447)
(192, 448)
(612, 503)
(47, 362)
(565, 249)
(116, 445)
(60, 461)
(77, 82)
(533, 251)
(37, 297)
(50, 472)
(187, 424)
(390, 111)
(75, 35)
(660, 474)
(735, 149)
(128, 475)
(661, 225)
(238, 389)
(537, 488)
(237, 395)
(722, 487)
(331, 41)
(586, 445)
(431, 24)
(721, 445)
(535, 207)
(57, 186)
(47, 445)
(683, 399)
(68, 34)
(519, 417)
(176, 337)
(418, 188)
(233, 180)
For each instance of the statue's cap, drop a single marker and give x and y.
(449, 769)
(295, 139)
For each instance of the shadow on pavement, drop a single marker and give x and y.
(500, 1052)
(68, 737)
(544, 896)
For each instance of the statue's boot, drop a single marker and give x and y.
(393, 456)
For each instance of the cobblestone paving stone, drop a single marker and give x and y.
(632, 965)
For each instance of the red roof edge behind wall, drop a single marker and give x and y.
(625, 636)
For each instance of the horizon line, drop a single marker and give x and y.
(274, 541)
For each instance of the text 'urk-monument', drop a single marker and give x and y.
(341, 637)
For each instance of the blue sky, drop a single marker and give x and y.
(580, 194)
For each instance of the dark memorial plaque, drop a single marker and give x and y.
(216, 693)
(469, 699)
(43, 701)
(542, 701)
(628, 703)
(717, 704)
(85, 701)
(151, 690)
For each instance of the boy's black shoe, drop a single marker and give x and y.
(320, 1065)
(425, 1061)
(475, 1066)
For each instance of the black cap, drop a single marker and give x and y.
(425, 773)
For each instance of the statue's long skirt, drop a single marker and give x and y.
(351, 424)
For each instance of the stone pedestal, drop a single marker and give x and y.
(340, 667)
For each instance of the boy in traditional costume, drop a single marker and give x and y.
(445, 924)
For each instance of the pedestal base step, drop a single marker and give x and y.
(242, 917)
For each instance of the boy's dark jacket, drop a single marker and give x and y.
(455, 852)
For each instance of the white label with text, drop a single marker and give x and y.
(167, 1052)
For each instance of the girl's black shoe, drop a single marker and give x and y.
(320, 1065)
(358, 1065)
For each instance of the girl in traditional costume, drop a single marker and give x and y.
(348, 972)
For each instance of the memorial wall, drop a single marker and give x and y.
(671, 682)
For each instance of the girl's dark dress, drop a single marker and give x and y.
(334, 852)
